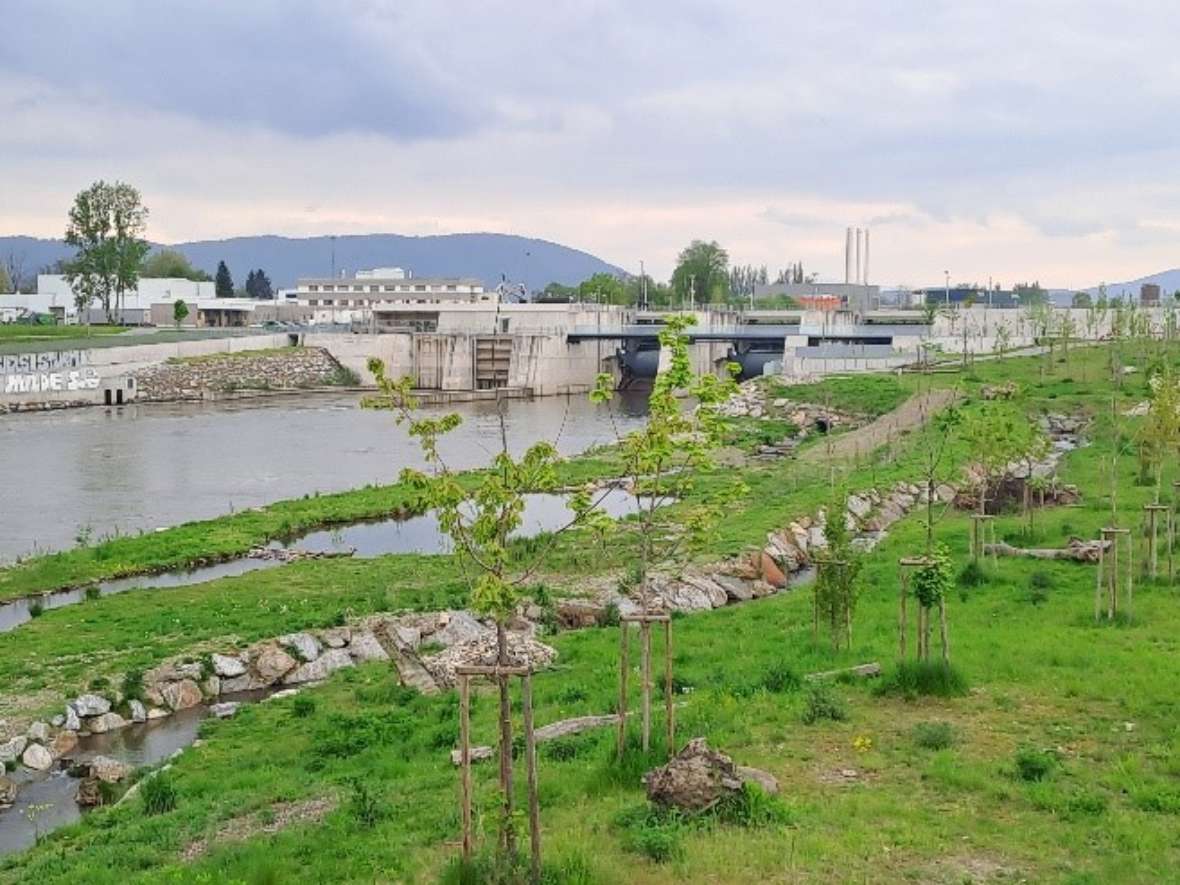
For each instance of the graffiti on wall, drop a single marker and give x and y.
(61, 371)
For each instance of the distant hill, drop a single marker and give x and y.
(486, 257)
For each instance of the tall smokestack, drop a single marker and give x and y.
(866, 267)
(858, 239)
(848, 255)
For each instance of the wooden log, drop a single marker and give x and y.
(492, 670)
(551, 732)
(1081, 551)
(863, 671)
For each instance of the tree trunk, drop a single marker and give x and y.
(507, 833)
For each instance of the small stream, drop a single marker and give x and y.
(415, 534)
(45, 801)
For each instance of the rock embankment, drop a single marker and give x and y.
(193, 379)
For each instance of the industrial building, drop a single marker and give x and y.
(351, 299)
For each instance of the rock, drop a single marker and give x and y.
(334, 637)
(272, 664)
(138, 711)
(407, 637)
(224, 665)
(522, 651)
(242, 683)
(7, 791)
(225, 709)
(108, 770)
(764, 779)
(365, 647)
(39, 732)
(735, 588)
(10, 750)
(211, 686)
(106, 722)
(89, 793)
(460, 627)
(771, 573)
(713, 591)
(329, 662)
(412, 674)
(58, 721)
(91, 705)
(37, 757)
(182, 695)
(155, 713)
(816, 539)
(305, 646)
(694, 780)
(62, 743)
(858, 506)
(577, 614)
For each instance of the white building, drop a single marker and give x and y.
(55, 295)
(352, 299)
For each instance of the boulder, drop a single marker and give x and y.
(576, 614)
(62, 743)
(225, 709)
(858, 506)
(108, 770)
(104, 723)
(407, 637)
(365, 647)
(713, 591)
(329, 662)
(272, 664)
(10, 750)
(7, 791)
(90, 705)
(89, 793)
(58, 721)
(224, 665)
(211, 686)
(460, 627)
(771, 573)
(695, 780)
(37, 757)
(333, 637)
(39, 732)
(764, 779)
(155, 713)
(305, 646)
(182, 695)
(735, 588)
(138, 710)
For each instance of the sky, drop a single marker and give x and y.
(995, 140)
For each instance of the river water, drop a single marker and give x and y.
(138, 467)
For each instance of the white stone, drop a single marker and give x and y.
(365, 647)
(224, 665)
(182, 695)
(72, 720)
(109, 770)
(58, 721)
(37, 757)
(460, 627)
(156, 713)
(10, 750)
(91, 705)
(329, 662)
(106, 722)
(224, 710)
(39, 732)
(335, 637)
(138, 711)
(407, 637)
(305, 646)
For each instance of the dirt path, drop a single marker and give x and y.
(865, 439)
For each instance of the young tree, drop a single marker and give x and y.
(179, 312)
(223, 282)
(106, 226)
(837, 579)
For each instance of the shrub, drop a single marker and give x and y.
(36, 608)
(972, 575)
(159, 793)
(364, 806)
(98, 683)
(303, 707)
(609, 616)
(914, 679)
(1031, 764)
(92, 592)
(822, 703)
(132, 686)
(751, 806)
(1040, 580)
(934, 735)
(654, 832)
(781, 678)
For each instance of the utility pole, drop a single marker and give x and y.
(333, 256)
(642, 286)
(692, 291)
(948, 288)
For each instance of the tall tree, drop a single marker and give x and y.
(5, 282)
(106, 226)
(13, 269)
(224, 281)
(262, 287)
(603, 288)
(251, 279)
(702, 273)
(170, 264)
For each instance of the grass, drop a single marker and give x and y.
(20, 332)
(1025, 678)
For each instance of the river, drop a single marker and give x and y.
(142, 466)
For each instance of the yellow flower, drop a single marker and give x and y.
(863, 743)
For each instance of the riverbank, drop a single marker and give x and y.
(1056, 765)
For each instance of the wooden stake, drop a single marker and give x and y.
(530, 750)
(944, 633)
(465, 759)
(1098, 578)
(645, 635)
(901, 614)
(624, 631)
(509, 841)
(669, 707)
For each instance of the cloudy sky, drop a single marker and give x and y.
(1013, 140)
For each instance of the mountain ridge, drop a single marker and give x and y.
(488, 257)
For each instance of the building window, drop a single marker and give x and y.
(452, 288)
(313, 288)
(358, 288)
(374, 288)
(419, 288)
(390, 289)
(313, 303)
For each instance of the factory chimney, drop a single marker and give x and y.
(858, 239)
(865, 278)
(848, 255)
